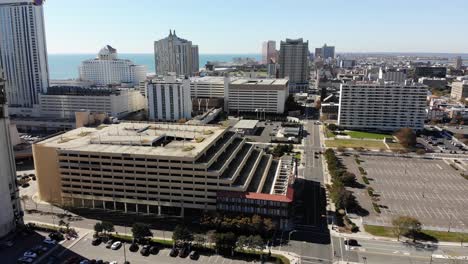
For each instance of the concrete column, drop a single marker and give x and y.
(136, 208)
(94, 206)
(115, 207)
(159, 210)
(82, 203)
(182, 211)
(147, 209)
(104, 205)
(125, 207)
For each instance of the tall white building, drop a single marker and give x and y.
(382, 106)
(174, 54)
(107, 68)
(9, 204)
(293, 60)
(251, 95)
(23, 52)
(169, 99)
(269, 52)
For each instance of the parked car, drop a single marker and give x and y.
(109, 243)
(116, 245)
(39, 249)
(145, 250)
(351, 242)
(49, 241)
(174, 252)
(30, 254)
(133, 247)
(154, 250)
(25, 260)
(96, 241)
(184, 252)
(194, 255)
(57, 236)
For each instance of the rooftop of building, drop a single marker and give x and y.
(246, 81)
(154, 139)
(208, 79)
(85, 91)
(246, 124)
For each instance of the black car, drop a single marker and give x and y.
(351, 242)
(194, 255)
(57, 236)
(154, 250)
(145, 251)
(174, 252)
(184, 252)
(133, 247)
(96, 241)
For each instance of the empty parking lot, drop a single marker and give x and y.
(429, 190)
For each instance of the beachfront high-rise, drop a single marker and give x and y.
(269, 53)
(107, 69)
(174, 54)
(293, 60)
(9, 204)
(23, 53)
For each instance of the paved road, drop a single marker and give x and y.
(311, 238)
(373, 251)
(312, 167)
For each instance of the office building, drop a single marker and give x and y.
(23, 53)
(151, 168)
(458, 62)
(9, 201)
(108, 69)
(63, 102)
(439, 83)
(169, 99)
(325, 52)
(174, 54)
(269, 54)
(459, 90)
(293, 61)
(209, 86)
(392, 75)
(439, 72)
(343, 63)
(382, 106)
(254, 95)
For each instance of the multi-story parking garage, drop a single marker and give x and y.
(153, 168)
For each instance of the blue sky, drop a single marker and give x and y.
(240, 26)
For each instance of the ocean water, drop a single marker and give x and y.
(65, 66)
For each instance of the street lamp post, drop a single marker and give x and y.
(289, 237)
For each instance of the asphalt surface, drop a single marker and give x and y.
(390, 252)
(311, 238)
(429, 190)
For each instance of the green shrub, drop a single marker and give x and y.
(370, 191)
(362, 171)
(365, 180)
(376, 208)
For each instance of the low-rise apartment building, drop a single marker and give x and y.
(63, 102)
(382, 106)
(459, 90)
(152, 168)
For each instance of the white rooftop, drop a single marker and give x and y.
(138, 138)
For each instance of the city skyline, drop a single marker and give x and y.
(389, 27)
